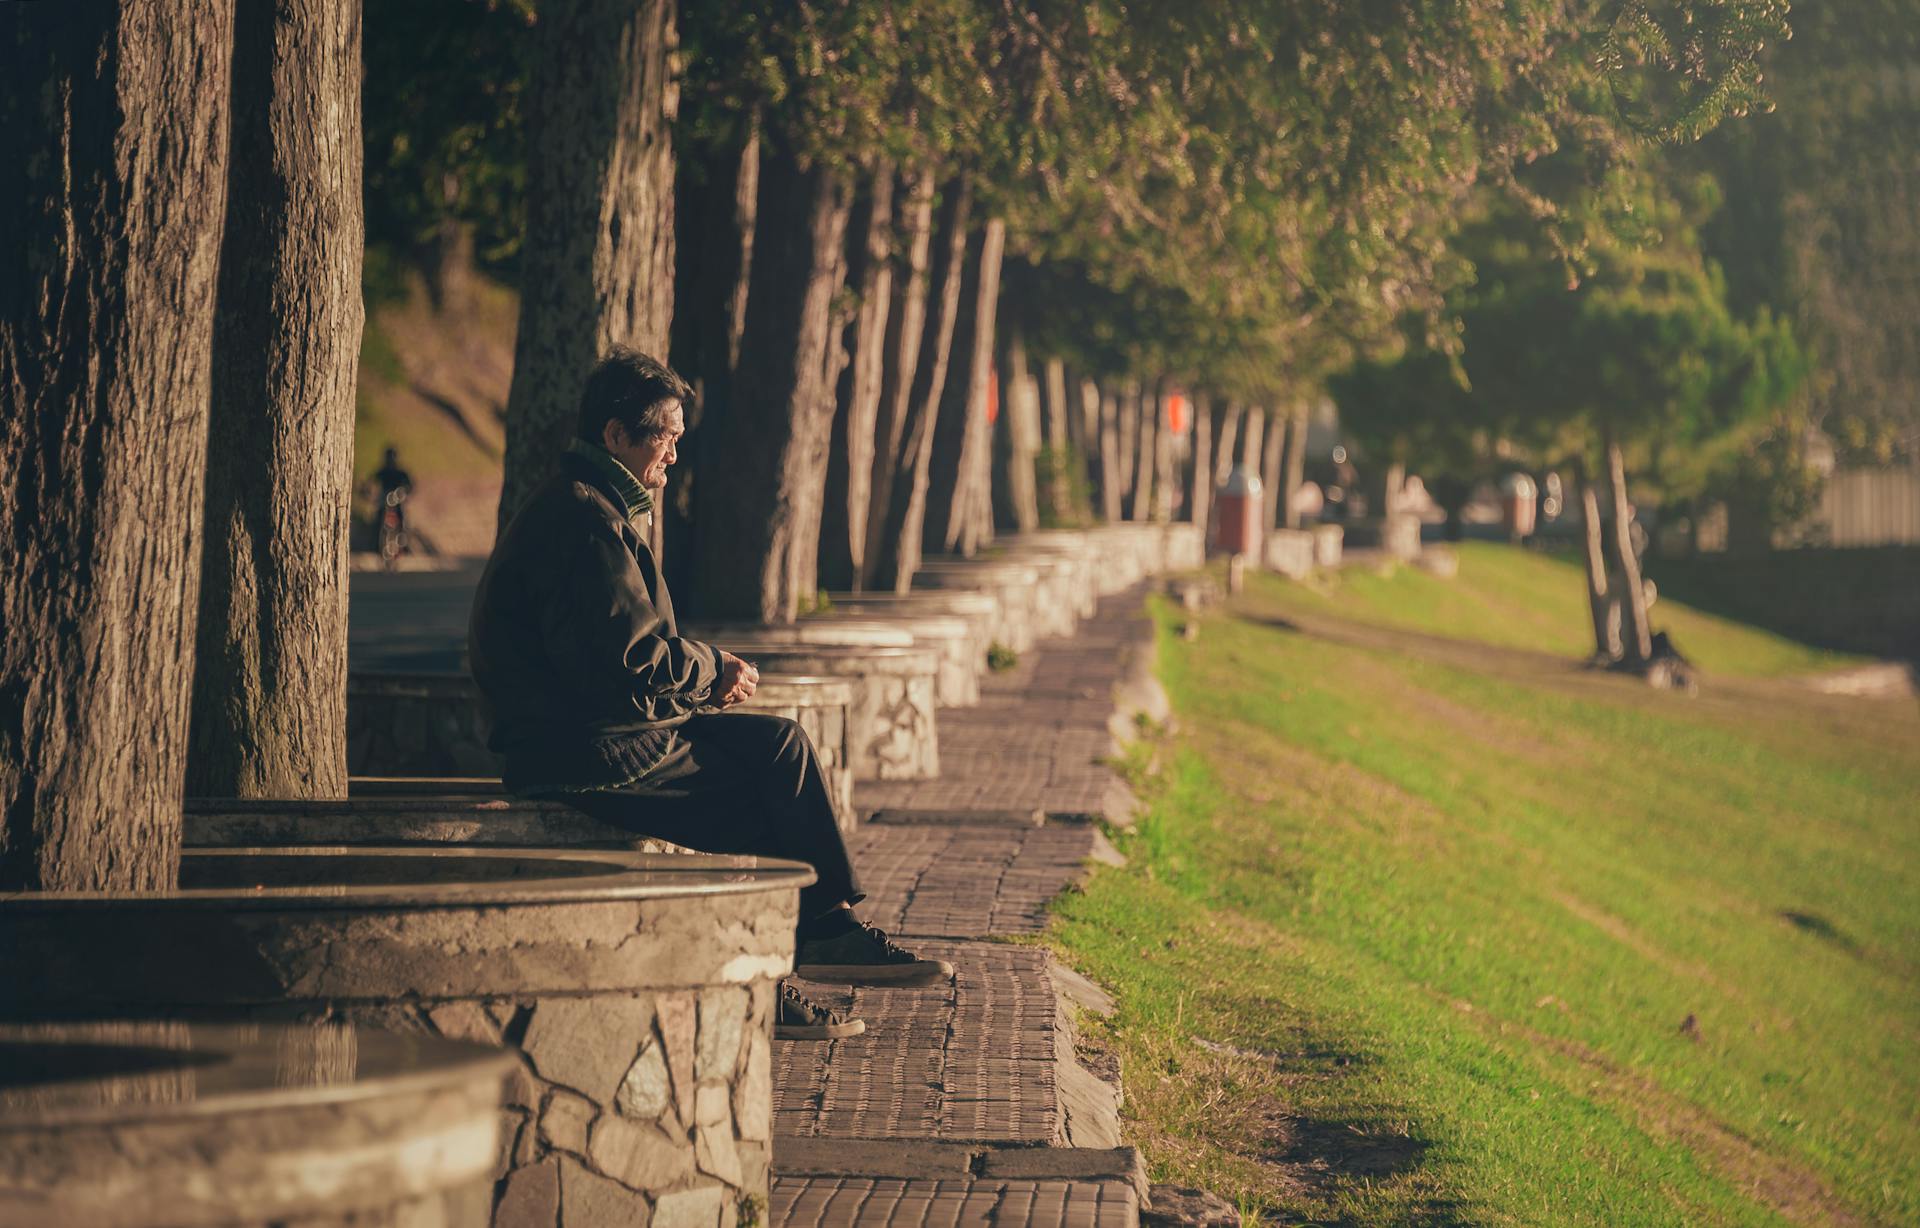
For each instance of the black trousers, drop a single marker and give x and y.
(739, 783)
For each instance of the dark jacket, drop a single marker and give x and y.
(573, 643)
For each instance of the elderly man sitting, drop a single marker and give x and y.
(598, 702)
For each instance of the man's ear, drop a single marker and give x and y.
(613, 436)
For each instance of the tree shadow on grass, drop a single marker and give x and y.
(1329, 1157)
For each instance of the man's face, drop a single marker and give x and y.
(649, 453)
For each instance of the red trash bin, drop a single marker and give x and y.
(1237, 531)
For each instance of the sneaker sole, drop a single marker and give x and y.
(918, 974)
(819, 1031)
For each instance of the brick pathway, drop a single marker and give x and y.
(954, 881)
(973, 1069)
(866, 1202)
(972, 1062)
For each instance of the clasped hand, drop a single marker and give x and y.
(737, 681)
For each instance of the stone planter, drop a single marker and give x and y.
(1123, 553)
(892, 730)
(1056, 591)
(638, 991)
(1082, 548)
(980, 611)
(963, 657)
(1013, 584)
(1289, 552)
(1184, 546)
(958, 683)
(1327, 541)
(433, 725)
(170, 1125)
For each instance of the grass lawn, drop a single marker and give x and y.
(1536, 600)
(1424, 924)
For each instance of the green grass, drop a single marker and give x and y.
(1412, 929)
(1536, 600)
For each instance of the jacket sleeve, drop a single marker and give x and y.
(607, 640)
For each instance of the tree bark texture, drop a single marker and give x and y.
(717, 206)
(962, 440)
(1294, 470)
(1127, 475)
(270, 681)
(1273, 440)
(113, 135)
(1016, 444)
(1606, 634)
(1197, 507)
(1226, 439)
(597, 270)
(1057, 497)
(1635, 633)
(843, 531)
(1113, 484)
(920, 334)
(758, 496)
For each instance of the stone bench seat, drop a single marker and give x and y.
(462, 813)
(637, 994)
(434, 725)
(1057, 595)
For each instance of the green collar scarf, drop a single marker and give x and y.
(637, 499)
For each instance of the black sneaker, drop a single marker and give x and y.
(801, 1018)
(862, 954)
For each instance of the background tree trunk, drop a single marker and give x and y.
(1016, 496)
(1166, 493)
(901, 489)
(1294, 471)
(956, 476)
(1112, 484)
(1197, 507)
(757, 497)
(1226, 440)
(1273, 439)
(1145, 454)
(270, 684)
(1127, 474)
(597, 270)
(1606, 636)
(1253, 435)
(850, 460)
(717, 201)
(1058, 495)
(113, 131)
(1635, 633)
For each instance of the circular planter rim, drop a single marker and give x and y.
(403, 1065)
(629, 876)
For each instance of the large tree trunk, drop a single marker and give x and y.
(717, 203)
(1146, 452)
(597, 269)
(910, 396)
(850, 460)
(113, 132)
(1606, 633)
(270, 686)
(1226, 440)
(757, 498)
(961, 437)
(1635, 633)
(1016, 496)
(1198, 504)
(1294, 470)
